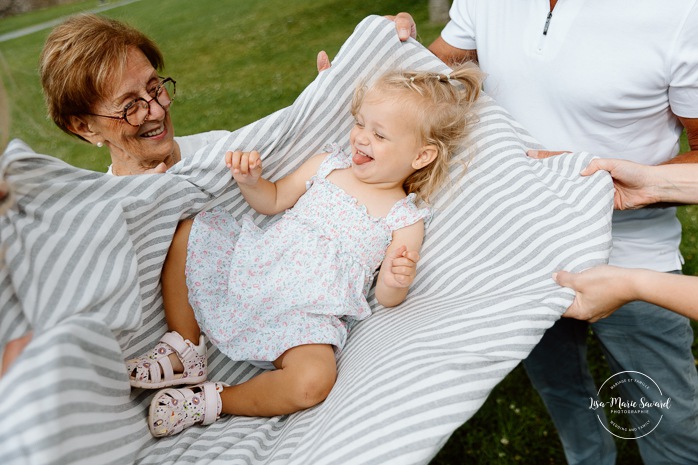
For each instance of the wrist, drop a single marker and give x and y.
(247, 183)
(655, 194)
(637, 281)
(674, 183)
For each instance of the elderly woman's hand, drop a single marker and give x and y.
(161, 168)
(13, 349)
(4, 196)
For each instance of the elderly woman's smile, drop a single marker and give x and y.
(132, 146)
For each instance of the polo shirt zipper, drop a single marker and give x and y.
(547, 23)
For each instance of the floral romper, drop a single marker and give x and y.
(302, 280)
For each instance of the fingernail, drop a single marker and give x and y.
(404, 33)
(555, 276)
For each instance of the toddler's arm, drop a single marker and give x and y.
(399, 266)
(266, 197)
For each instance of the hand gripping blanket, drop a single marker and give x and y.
(82, 254)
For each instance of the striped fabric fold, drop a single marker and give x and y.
(81, 254)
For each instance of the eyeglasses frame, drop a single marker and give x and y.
(148, 102)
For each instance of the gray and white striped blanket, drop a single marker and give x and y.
(81, 259)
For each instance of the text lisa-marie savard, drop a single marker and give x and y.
(618, 402)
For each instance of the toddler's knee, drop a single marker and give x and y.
(312, 386)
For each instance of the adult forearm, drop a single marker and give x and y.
(676, 182)
(686, 157)
(674, 292)
(451, 55)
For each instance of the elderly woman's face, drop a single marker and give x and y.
(153, 141)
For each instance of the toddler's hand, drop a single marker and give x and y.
(402, 269)
(246, 167)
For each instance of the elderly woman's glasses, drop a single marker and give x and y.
(137, 111)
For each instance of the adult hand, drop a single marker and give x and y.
(161, 168)
(4, 196)
(323, 61)
(632, 182)
(541, 154)
(599, 291)
(404, 24)
(12, 350)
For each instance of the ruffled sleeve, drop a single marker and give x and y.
(405, 213)
(336, 159)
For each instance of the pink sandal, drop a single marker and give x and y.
(173, 410)
(153, 370)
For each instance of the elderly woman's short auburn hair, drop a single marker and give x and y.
(82, 60)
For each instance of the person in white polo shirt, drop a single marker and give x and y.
(618, 79)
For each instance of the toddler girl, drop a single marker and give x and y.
(284, 297)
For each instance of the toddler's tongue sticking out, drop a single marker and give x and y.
(360, 158)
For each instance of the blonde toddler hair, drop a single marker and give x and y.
(442, 105)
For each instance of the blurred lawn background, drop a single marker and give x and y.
(236, 61)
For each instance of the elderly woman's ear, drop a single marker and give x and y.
(79, 126)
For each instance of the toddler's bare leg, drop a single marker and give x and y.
(304, 377)
(178, 313)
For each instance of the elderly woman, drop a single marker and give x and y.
(101, 83)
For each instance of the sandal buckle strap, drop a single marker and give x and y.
(154, 369)
(178, 343)
(211, 398)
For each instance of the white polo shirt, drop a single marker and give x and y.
(607, 77)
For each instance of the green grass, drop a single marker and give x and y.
(14, 23)
(236, 61)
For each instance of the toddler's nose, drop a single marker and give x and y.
(362, 138)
